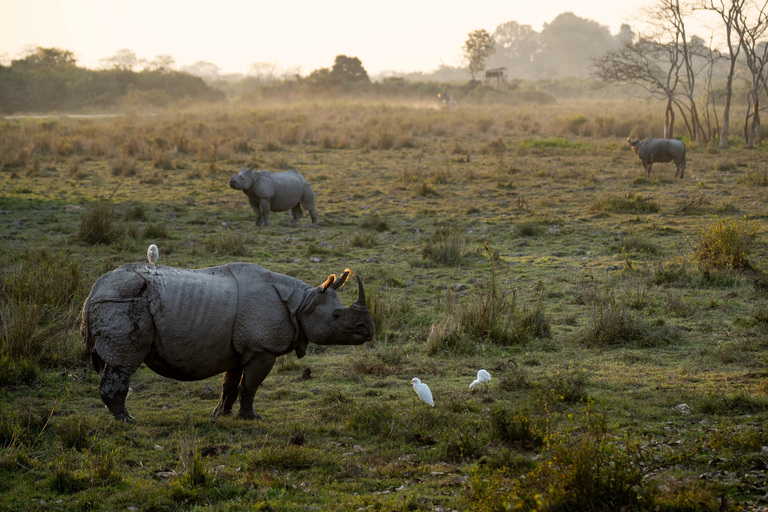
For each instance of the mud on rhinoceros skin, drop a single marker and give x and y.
(193, 324)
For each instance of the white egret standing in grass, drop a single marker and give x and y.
(152, 254)
(423, 391)
(483, 377)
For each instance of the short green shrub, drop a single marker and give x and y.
(529, 229)
(554, 142)
(612, 323)
(724, 244)
(96, 224)
(626, 203)
(374, 222)
(518, 429)
(17, 372)
(445, 335)
(227, 244)
(377, 306)
(39, 291)
(569, 386)
(738, 402)
(587, 469)
(444, 247)
(460, 445)
(155, 231)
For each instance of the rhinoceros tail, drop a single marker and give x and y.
(85, 331)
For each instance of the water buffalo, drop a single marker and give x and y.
(650, 151)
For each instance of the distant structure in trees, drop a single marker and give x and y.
(497, 74)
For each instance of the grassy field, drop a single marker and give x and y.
(623, 319)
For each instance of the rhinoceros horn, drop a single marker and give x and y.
(360, 303)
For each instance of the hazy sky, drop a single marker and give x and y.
(392, 35)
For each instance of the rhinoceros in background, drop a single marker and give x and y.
(275, 191)
(193, 324)
(659, 150)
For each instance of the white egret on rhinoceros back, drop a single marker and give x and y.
(423, 391)
(483, 377)
(152, 254)
(236, 319)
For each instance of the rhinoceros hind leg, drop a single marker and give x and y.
(254, 374)
(113, 389)
(297, 214)
(229, 392)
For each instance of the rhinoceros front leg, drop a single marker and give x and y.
(265, 205)
(229, 392)
(254, 373)
(113, 389)
(313, 214)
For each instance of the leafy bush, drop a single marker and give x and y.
(724, 244)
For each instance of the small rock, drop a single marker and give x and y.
(315, 259)
(157, 447)
(682, 409)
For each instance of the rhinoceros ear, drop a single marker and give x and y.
(328, 282)
(285, 292)
(342, 279)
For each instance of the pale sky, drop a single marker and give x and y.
(392, 35)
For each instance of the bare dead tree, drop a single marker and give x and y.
(667, 19)
(750, 25)
(710, 58)
(651, 64)
(729, 12)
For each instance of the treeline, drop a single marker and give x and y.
(49, 80)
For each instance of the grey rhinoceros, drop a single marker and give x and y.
(275, 191)
(193, 324)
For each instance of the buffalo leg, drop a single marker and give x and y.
(254, 374)
(228, 392)
(113, 389)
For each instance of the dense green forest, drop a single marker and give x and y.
(49, 80)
